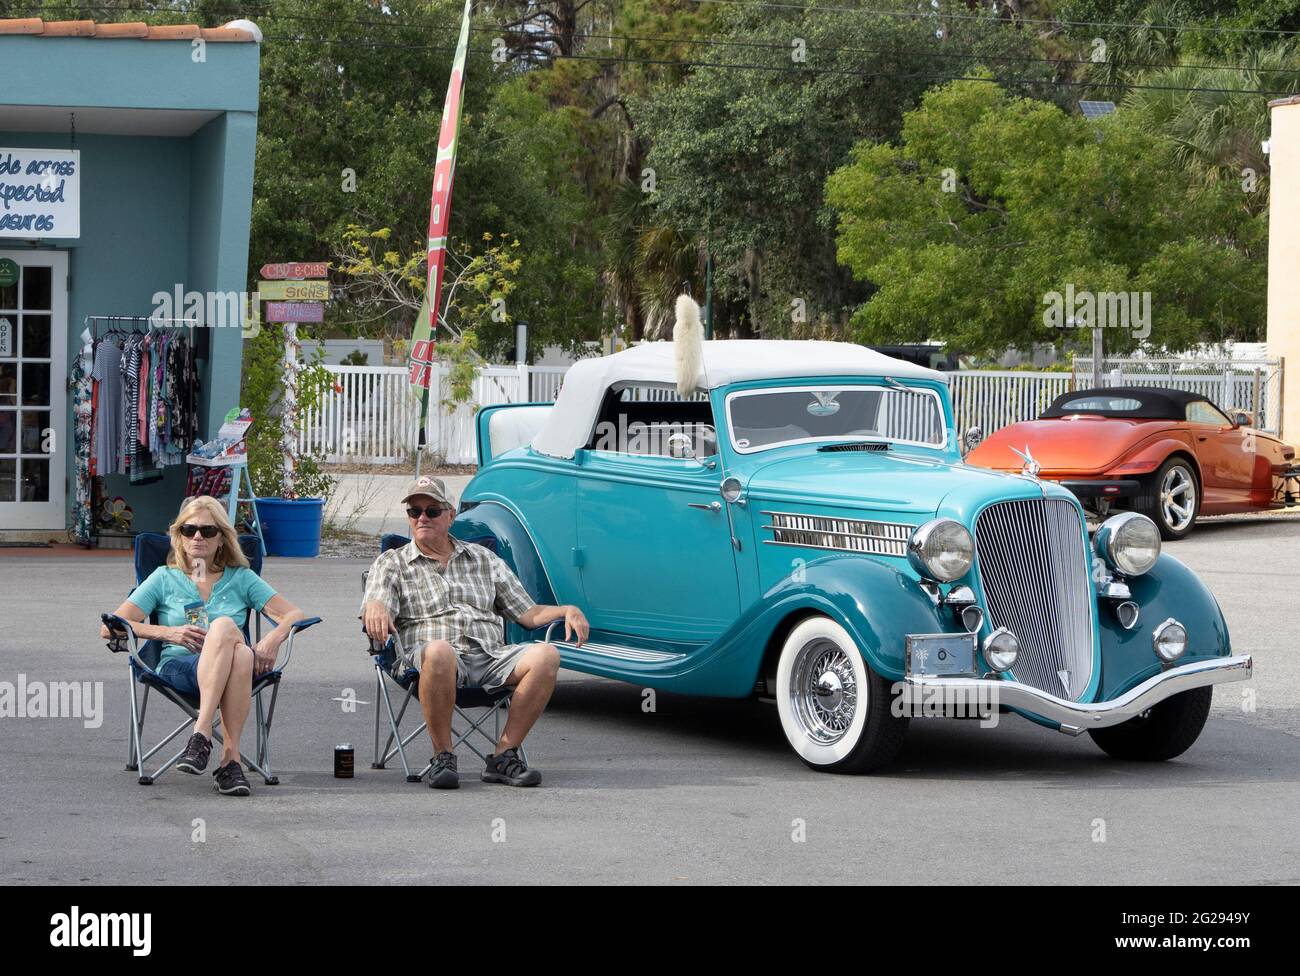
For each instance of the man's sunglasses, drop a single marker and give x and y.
(433, 511)
(207, 531)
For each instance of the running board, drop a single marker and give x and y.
(622, 653)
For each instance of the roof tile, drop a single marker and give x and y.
(133, 29)
(34, 26)
(22, 25)
(174, 32)
(69, 28)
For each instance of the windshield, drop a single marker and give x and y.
(770, 418)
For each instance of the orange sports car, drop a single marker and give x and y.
(1169, 454)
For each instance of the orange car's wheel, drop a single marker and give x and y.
(1171, 498)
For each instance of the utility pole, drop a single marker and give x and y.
(1096, 356)
(708, 275)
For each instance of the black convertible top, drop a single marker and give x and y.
(1152, 403)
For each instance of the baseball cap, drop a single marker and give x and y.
(425, 485)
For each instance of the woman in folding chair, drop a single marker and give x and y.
(202, 598)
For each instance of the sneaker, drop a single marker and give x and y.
(442, 772)
(229, 779)
(195, 758)
(509, 769)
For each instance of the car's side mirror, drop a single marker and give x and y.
(972, 439)
(1243, 418)
(701, 447)
(681, 446)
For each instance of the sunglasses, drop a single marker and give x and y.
(433, 511)
(207, 531)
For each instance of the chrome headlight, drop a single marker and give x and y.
(1129, 543)
(1001, 649)
(941, 549)
(1169, 641)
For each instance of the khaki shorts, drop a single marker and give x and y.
(476, 668)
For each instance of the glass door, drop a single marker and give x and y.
(33, 389)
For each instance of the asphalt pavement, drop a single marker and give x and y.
(696, 791)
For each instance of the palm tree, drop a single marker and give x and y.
(1219, 129)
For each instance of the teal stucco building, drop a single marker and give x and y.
(126, 171)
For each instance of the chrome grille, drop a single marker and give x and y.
(848, 535)
(1033, 565)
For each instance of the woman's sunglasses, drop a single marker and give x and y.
(433, 511)
(207, 531)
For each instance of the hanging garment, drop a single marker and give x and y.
(107, 372)
(130, 391)
(83, 427)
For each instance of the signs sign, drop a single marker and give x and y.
(294, 291)
(6, 337)
(296, 269)
(295, 312)
(40, 193)
(8, 273)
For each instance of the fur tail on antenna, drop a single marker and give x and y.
(688, 345)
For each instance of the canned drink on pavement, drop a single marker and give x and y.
(343, 761)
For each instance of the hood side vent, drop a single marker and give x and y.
(841, 534)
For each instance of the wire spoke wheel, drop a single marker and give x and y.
(823, 691)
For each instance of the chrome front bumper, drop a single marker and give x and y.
(1075, 718)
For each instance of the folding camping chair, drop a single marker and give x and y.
(387, 658)
(151, 550)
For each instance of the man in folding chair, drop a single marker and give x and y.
(441, 596)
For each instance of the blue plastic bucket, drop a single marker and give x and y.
(291, 527)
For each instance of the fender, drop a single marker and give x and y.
(1148, 457)
(513, 545)
(1168, 589)
(875, 603)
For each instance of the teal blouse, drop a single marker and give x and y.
(167, 591)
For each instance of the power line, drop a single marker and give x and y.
(938, 14)
(805, 72)
(549, 36)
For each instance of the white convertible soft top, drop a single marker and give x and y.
(569, 424)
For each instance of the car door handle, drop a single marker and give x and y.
(710, 507)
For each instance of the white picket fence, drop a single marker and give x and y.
(373, 413)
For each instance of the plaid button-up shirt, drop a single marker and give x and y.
(460, 603)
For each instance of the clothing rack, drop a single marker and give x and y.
(92, 322)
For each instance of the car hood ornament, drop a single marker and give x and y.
(1032, 467)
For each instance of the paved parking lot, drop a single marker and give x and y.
(698, 791)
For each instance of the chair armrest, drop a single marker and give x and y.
(553, 625)
(119, 631)
(287, 646)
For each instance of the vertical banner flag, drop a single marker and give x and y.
(421, 365)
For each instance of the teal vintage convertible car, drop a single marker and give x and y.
(794, 521)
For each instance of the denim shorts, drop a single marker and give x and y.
(182, 673)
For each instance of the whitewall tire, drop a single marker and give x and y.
(835, 711)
